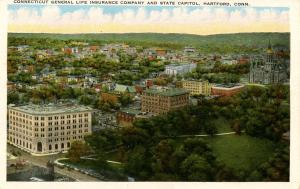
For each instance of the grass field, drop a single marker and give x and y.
(241, 152)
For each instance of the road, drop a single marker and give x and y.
(219, 134)
(41, 161)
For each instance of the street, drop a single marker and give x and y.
(42, 161)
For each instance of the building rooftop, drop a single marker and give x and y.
(229, 85)
(50, 108)
(131, 111)
(167, 92)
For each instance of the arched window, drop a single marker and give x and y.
(68, 144)
(50, 147)
(62, 145)
(56, 146)
(39, 147)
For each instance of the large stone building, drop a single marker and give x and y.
(46, 129)
(160, 101)
(197, 87)
(269, 70)
(174, 69)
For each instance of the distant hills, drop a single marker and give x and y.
(253, 40)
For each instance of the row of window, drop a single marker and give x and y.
(61, 134)
(46, 117)
(15, 127)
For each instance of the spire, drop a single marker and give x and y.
(269, 46)
(269, 50)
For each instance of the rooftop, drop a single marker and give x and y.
(229, 85)
(51, 108)
(167, 92)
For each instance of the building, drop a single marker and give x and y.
(189, 49)
(46, 129)
(226, 89)
(161, 52)
(197, 87)
(160, 101)
(126, 117)
(174, 69)
(269, 70)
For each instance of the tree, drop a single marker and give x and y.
(13, 98)
(125, 99)
(196, 168)
(77, 150)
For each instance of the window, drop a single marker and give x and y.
(49, 118)
(42, 118)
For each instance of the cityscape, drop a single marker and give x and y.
(144, 105)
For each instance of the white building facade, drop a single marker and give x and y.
(47, 129)
(180, 69)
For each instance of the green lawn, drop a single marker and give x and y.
(241, 152)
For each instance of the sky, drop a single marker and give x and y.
(138, 19)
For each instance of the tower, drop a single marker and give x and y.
(269, 53)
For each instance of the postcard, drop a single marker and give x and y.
(141, 93)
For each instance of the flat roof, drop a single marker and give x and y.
(228, 86)
(167, 92)
(50, 108)
(131, 111)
